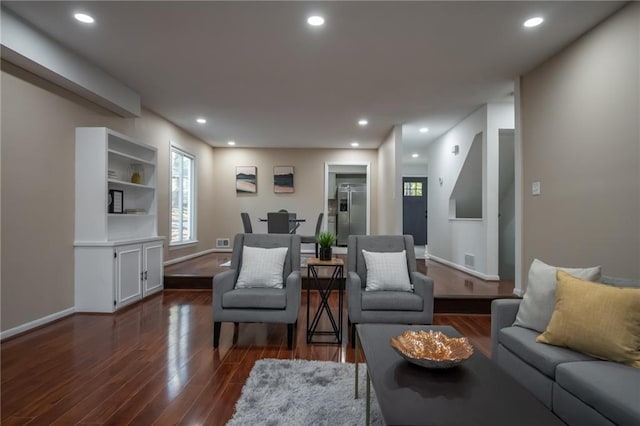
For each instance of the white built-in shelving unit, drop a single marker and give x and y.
(118, 256)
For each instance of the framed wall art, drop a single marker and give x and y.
(283, 179)
(246, 179)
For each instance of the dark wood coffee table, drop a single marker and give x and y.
(476, 392)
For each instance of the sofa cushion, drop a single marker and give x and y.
(619, 282)
(522, 342)
(573, 411)
(597, 319)
(528, 376)
(255, 298)
(612, 389)
(391, 301)
(539, 299)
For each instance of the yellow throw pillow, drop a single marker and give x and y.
(596, 319)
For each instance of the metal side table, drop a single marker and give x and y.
(336, 267)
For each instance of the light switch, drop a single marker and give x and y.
(535, 188)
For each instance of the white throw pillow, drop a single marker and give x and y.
(387, 271)
(262, 267)
(539, 300)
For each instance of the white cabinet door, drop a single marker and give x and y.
(128, 274)
(152, 267)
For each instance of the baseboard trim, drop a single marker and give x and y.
(194, 255)
(465, 269)
(36, 323)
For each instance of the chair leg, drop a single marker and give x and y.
(236, 332)
(316, 250)
(289, 336)
(216, 333)
(353, 336)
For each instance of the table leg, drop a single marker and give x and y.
(324, 305)
(340, 301)
(356, 357)
(308, 302)
(368, 418)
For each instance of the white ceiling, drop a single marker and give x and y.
(263, 78)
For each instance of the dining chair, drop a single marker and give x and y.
(278, 223)
(293, 223)
(246, 222)
(310, 239)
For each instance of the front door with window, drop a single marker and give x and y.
(414, 209)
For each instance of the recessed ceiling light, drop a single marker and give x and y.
(315, 21)
(363, 122)
(355, 144)
(83, 17)
(424, 129)
(231, 143)
(533, 22)
(414, 155)
(201, 120)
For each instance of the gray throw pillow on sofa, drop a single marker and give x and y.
(539, 300)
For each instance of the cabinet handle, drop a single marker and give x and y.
(145, 275)
(141, 276)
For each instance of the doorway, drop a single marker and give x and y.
(354, 180)
(414, 209)
(507, 205)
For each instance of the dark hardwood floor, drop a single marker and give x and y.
(154, 363)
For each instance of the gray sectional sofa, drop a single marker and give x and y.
(579, 389)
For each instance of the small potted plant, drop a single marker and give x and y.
(326, 240)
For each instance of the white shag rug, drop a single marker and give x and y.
(298, 392)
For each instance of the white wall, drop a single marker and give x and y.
(389, 205)
(415, 170)
(446, 242)
(451, 239)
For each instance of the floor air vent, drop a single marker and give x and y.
(222, 243)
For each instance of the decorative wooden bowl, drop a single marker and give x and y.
(432, 349)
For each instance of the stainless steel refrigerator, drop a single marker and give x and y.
(352, 211)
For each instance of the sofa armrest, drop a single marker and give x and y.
(423, 287)
(503, 314)
(222, 283)
(293, 290)
(354, 301)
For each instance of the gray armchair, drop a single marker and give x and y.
(383, 306)
(271, 305)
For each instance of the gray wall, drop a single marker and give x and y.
(581, 140)
(37, 194)
(38, 157)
